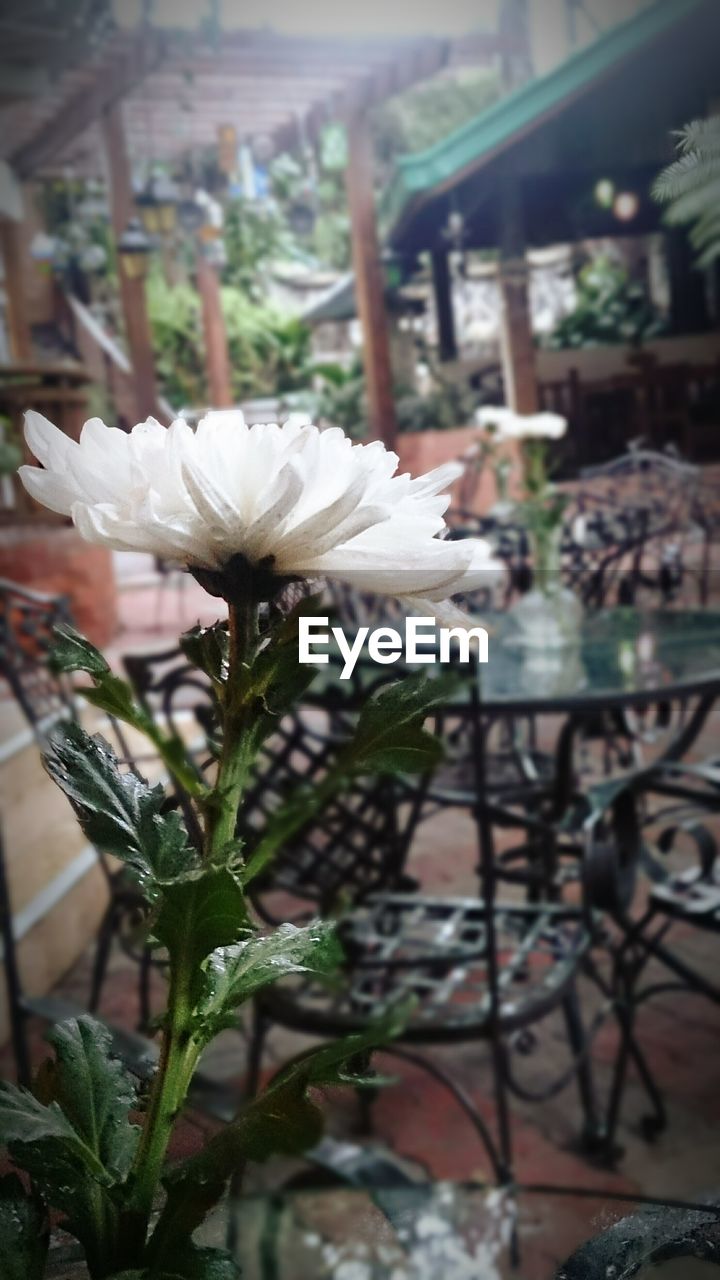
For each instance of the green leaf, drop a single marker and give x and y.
(234, 974)
(280, 1120)
(117, 811)
(208, 649)
(40, 1137)
(72, 652)
(94, 1091)
(200, 914)
(390, 737)
(23, 1232)
(111, 694)
(77, 1142)
(276, 678)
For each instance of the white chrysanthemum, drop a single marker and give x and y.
(312, 501)
(516, 426)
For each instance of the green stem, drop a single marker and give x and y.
(178, 1058)
(179, 1052)
(238, 748)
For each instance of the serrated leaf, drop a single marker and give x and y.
(95, 1092)
(390, 736)
(208, 649)
(23, 1232)
(113, 695)
(280, 1120)
(234, 974)
(77, 1146)
(276, 678)
(200, 914)
(117, 811)
(72, 652)
(25, 1122)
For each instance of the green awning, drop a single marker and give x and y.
(419, 178)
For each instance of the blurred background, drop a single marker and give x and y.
(386, 217)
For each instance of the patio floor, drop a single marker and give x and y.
(415, 1118)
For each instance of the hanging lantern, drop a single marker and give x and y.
(134, 250)
(167, 199)
(626, 206)
(147, 206)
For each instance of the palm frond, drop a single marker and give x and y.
(690, 186)
(689, 207)
(701, 135)
(687, 174)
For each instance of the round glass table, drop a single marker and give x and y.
(622, 656)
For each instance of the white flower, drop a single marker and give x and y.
(517, 426)
(302, 502)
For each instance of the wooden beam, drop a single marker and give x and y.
(11, 247)
(132, 291)
(517, 344)
(112, 83)
(217, 361)
(442, 286)
(370, 282)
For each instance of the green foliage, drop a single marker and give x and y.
(73, 1134)
(234, 974)
(256, 236)
(75, 1139)
(425, 113)
(449, 404)
(198, 914)
(71, 652)
(690, 187)
(11, 454)
(610, 308)
(23, 1232)
(341, 401)
(269, 351)
(282, 1119)
(175, 316)
(119, 812)
(389, 738)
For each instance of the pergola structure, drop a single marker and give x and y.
(524, 173)
(102, 98)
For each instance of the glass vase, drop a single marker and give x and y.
(549, 616)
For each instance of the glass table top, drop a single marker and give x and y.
(622, 655)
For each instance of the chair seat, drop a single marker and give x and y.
(436, 949)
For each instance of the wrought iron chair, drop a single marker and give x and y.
(27, 619)
(678, 818)
(644, 504)
(480, 969)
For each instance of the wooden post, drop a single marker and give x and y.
(217, 361)
(132, 292)
(518, 348)
(17, 318)
(370, 282)
(442, 286)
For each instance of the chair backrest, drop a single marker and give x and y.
(641, 537)
(356, 845)
(170, 688)
(27, 619)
